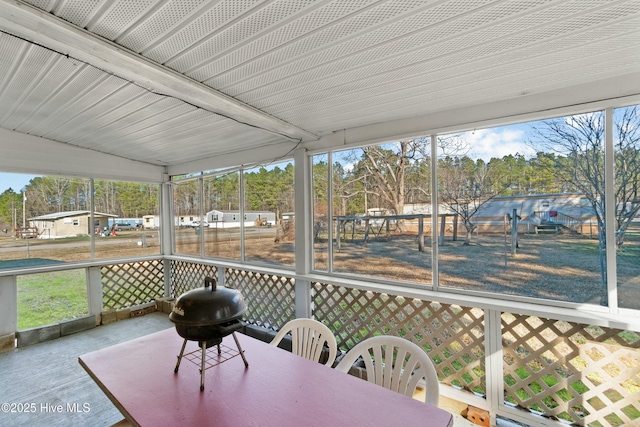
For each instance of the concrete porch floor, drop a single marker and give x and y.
(38, 378)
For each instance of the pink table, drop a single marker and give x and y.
(277, 389)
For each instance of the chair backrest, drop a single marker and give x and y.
(308, 338)
(395, 363)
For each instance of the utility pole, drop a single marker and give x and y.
(14, 213)
(24, 204)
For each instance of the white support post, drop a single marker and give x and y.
(330, 228)
(514, 232)
(304, 231)
(242, 217)
(434, 211)
(493, 361)
(166, 270)
(94, 292)
(221, 278)
(303, 301)
(610, 212)
(92, 220)
(166, 217)
(303, 211)
(166, 230)
(8, 305)
(202, 215)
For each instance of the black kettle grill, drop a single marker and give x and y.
(207, 315)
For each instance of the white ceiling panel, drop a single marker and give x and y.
(449, 89)
(173, 82)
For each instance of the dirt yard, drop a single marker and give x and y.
(559, 267)
(556, 267)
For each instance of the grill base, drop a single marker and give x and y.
(214, 357)
(204, 345)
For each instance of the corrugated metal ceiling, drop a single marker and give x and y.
(299, 68)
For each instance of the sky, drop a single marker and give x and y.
(499, 142)
(15, 181)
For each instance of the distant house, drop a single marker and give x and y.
(151, 221)
(230, 219)
(69, 224)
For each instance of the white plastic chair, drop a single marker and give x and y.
(395, 363)
(308, 338)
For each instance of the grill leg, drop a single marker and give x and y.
(204, 355)
(184, 344)
(244, 359)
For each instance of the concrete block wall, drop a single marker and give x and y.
(50, 332)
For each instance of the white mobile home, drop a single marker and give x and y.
(230, 219)
(153, 221)
(217, 219)
(150, 221)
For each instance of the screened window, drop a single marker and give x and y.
(131, 213)
(521, 210)
(374, 210)
(186, 209)
(242, 215)
(269, 223)
(222, 203)
(626, 142)
(527, 209)
(49, 220)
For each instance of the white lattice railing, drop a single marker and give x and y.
(583, 374)
(573, 373)
(129, 284)
(188, 275)
(551, 369)
(270, 299)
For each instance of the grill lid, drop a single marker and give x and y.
(209, 305)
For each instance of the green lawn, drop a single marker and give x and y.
(48, 298)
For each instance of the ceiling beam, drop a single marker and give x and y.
(265, 154)
(37, 26)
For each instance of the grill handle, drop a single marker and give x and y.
(210, 281)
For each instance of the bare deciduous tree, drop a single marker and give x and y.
(385, 169)
(579, 143)
(465, 185)
(464, 188)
